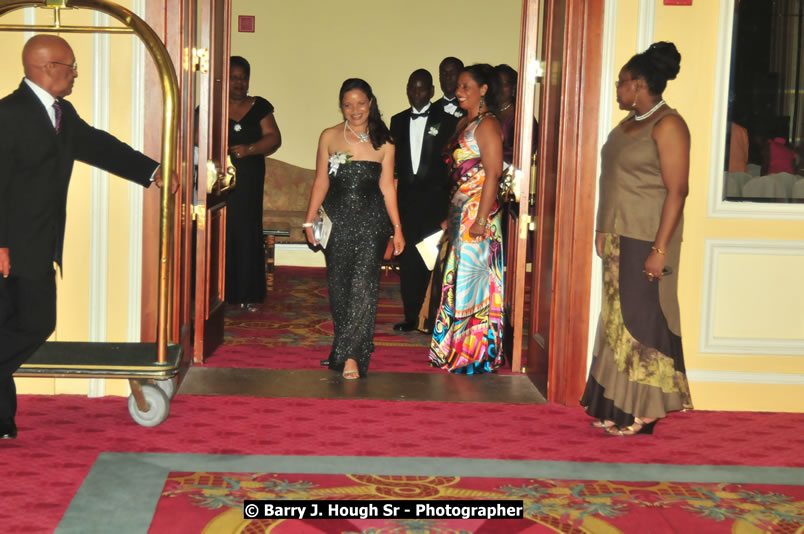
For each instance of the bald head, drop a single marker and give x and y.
(49, 62)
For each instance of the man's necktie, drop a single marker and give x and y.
(57, 109)
(415, 116)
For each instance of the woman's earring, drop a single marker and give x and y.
(482, 103)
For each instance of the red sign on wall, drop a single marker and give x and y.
(678, 2)
(245, 23)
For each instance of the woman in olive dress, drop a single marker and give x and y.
(638, 373)
(354, 181)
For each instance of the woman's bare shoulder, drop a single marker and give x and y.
(672, 125)
(489, 125)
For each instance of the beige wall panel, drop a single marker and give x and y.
(303, 50)
(118, 245)
(759, 296)
(748, 397)
(35, 386)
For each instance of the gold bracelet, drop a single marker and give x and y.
(657, 249)
(397, 226)
(482, 221)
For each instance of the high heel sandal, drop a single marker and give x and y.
(639, 427)
(351, 374)
(601, 423)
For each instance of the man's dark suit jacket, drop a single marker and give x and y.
(35, 169)
(423, 198)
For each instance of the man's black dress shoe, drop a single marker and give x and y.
(405, 326)
(8, 430)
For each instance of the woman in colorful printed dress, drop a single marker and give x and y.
(354, 181)
(468, 331)
(638, 373)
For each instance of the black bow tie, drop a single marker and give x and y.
(415, 116)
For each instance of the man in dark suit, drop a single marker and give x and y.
(420, 133)
(41, 135)
(448, 71)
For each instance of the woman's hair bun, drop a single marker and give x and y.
(665, 58)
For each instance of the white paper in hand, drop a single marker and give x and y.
(322, 227)
(428, 248)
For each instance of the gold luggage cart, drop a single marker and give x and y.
(150, 367)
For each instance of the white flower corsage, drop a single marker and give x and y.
(237, 127)
(433, 130)
(336, 160)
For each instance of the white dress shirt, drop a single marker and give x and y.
(417, 137)
(451, 105)
(46, 99)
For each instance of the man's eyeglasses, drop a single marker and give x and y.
(73, 66)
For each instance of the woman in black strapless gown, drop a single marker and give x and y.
(354, 183)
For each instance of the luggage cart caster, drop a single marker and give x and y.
(148, 404)
(167, 385)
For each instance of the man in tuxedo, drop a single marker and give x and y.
(448, 72)
(420, 133)
(41, 135)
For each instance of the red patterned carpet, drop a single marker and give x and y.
(61, 436)
(293, 328)
(213, 502)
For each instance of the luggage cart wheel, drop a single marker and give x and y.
(167, 385)
(152, 397)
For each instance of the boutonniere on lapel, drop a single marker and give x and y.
(433, 131)
(336, 160)
(458, 113)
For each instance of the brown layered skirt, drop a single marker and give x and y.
(638, 367)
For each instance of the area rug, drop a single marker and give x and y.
(61, 437)
(184, 493)
(292, 329)
(214, 502)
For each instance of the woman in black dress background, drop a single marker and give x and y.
(253, 134)
(354, 181)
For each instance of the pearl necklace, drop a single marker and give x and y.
(650, 112)
(361, 137)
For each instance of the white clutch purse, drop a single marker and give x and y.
(322, 227)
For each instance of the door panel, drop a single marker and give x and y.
(213, 171)
(519, 212)
(545, 191)
(172, 21)
(565, 198)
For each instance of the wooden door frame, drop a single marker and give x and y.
(575, 202)
(168, 20)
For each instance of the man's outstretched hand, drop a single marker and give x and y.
(5, 263)
(174, 180)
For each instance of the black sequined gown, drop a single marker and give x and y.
(360, 232)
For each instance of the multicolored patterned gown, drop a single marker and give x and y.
(468, 331)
